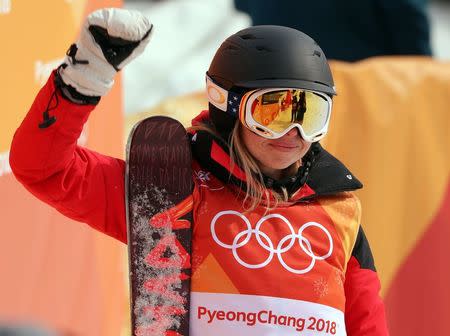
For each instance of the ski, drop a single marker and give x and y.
(158, 183)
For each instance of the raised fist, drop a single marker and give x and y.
(110, 39)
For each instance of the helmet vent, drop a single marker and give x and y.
(317, 53)
(231, 48)
(248, 37)
(262, 48)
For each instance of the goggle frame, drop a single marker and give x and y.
(246, 116)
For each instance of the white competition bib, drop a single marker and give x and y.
(234, 314)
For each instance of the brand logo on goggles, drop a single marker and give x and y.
(215, 95)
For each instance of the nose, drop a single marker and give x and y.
(293, 133)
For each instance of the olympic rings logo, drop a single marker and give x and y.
(265, 242)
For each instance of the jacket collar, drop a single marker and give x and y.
(330, 176)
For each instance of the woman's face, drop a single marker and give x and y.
(277, 158)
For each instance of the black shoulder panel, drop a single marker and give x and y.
(361, 251)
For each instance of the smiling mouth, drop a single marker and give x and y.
(284, 147)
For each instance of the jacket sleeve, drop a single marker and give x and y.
(79, 183)
(364, 309)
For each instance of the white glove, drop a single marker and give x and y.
(110, 38)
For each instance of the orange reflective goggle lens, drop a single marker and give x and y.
(275, 111)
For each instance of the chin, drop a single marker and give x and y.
(279, 165)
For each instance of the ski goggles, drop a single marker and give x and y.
(273, 112)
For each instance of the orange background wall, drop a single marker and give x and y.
(53, 271)
(391, 125)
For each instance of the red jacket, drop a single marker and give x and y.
(258, 290)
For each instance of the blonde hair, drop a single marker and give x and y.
(257, 192)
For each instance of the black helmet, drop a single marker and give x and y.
(271, 56)
(265, 57)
